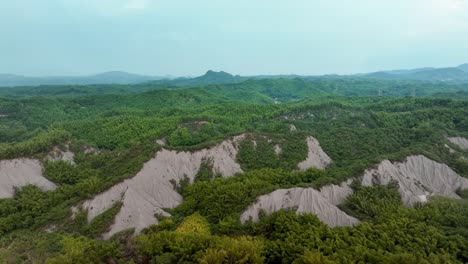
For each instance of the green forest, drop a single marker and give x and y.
(358, 122)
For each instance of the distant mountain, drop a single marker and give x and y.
(210, 77)
(463, 67)
(113, 77)
(120, 77)
(409, 71)
(451, 74)
(381, 75)
(443, 74)
(457, 74)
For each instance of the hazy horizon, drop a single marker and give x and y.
(187, 38)
(216, 70)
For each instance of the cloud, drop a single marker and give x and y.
(448, 9)
(136, 4)
(428, 17)
(106, 7)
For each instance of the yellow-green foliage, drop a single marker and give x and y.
(192, 242)
(82, 250)
(194, 223)
(25, 246)
(191, 247)
(311, 257)
(240, 250)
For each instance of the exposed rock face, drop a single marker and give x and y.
(336, 194)
(152, 189)
(18, 173)
(161, 141)
(74, 211)
(460, 142)
(64, 155)
(451, 150)
(277, 149)
(322, 203)
(316, 157)
(418, 178)
(90, 150)
(50, 228)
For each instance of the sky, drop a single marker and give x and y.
(246, 37)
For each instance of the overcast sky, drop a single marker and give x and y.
(188, 37)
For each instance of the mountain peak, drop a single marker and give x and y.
(220, 73)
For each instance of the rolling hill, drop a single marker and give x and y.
(259, 170)
(112, 77)
(451, 74)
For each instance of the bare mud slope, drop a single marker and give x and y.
(64, 155)
(316, 157)
(417, 178)
(322, 203)
(460, 142)
(18, 173)
(153, 188)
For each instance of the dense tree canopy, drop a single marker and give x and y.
(355, 127)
